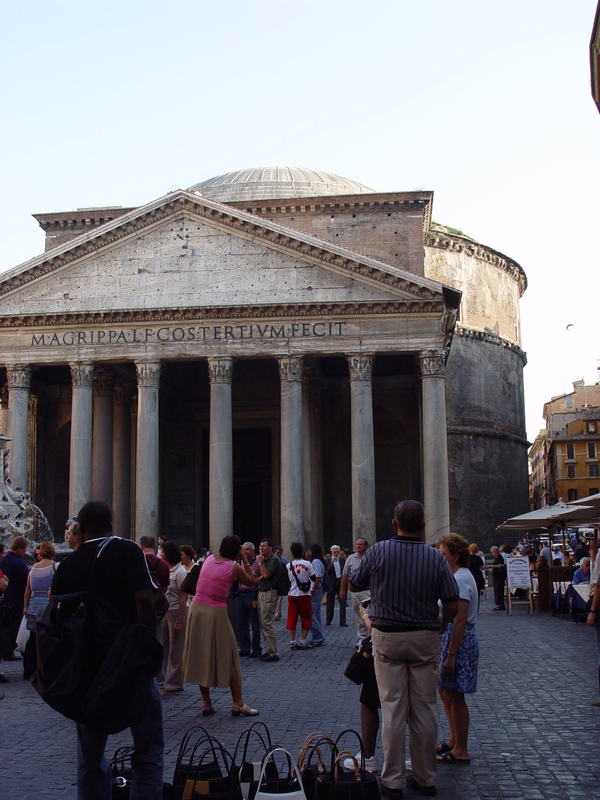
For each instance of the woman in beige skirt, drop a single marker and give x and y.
(211, 656)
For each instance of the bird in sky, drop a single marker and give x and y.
(570, 325)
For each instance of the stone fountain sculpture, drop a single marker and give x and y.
(18, 515)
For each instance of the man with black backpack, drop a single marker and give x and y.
(114, 572)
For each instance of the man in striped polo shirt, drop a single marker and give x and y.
(406, 578)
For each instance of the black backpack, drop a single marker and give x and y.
(88, 664)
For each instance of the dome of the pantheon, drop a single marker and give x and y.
(270, 183)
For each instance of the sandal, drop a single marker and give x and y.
(450, 758)
(442, 747)
(207, 709)
(243, 709)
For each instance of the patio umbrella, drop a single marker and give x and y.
(559, 515)
(556, 515)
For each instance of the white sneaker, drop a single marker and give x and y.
(371, 764)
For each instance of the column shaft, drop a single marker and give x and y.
(102, 439)
(122, 461)
(80, 467)
(363, 448)
(292, 483)
(147, 456)
(19, 381)
(435, 446)
(220, 477)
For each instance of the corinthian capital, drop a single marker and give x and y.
(103, 384)
(82, 373)
(19, 376)
(148, 373)
(122, 394)
(220, 370)
(432, 363)
(290, 368)
(360, 366)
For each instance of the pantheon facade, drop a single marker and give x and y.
(273, 352)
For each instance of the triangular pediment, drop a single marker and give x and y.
(183, 251)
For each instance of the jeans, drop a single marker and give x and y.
(247, 614)
(93, 773)
(316, 631)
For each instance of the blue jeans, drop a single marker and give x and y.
(93, 773)
(316, 631)
(247, 615)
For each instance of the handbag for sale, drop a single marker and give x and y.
(311, 764)
(286, 786)
(357, 784)
(204, 769)
(248, 768)
(121, 774)
(358, 666)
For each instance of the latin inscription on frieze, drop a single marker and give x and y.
(194, 333)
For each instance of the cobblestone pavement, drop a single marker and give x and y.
(533, 732)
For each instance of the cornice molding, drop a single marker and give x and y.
(486, 433)
(459, 244)
(491, 338)
(299, 245)
(223, 312)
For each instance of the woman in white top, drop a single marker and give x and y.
(459, 653)
(39, 581)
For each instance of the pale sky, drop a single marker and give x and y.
(487, 104)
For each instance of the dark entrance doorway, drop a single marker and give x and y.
(252, 508)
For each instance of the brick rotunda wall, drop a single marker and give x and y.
(487, 443)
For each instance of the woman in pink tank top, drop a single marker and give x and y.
(219, 664)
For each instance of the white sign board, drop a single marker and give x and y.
(517, 569)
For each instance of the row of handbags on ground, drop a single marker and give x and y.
(258, 770)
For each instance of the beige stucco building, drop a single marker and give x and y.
(266, 353)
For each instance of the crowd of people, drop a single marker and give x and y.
(415, 609)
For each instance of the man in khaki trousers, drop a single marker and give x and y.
(406, 578)
(268, 597)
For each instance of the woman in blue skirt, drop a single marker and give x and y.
(459, 653)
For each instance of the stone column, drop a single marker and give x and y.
(102, 438)
(147, 456)
(360, 366)
(4, 409)
(121, 475)
(220, 459)
(19, 381)
(32, 446)
(80, 467)
(435, 445)
(292, 483)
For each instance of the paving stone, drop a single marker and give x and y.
(524, 732)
